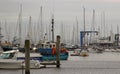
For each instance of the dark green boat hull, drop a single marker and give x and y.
(53, 57)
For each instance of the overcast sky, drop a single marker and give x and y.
(65, 11)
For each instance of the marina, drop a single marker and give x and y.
(94, 64)
(59, 37)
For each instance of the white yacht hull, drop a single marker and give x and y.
(10, 64)
(18, 64)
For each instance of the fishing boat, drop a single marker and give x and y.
(47, 54)
(63, 56)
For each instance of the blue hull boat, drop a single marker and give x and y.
(48, 56)
(63, 56)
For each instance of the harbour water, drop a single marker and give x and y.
(95, 63)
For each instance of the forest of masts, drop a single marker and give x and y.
(36, 31)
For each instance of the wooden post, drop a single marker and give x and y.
(27, 56)
(58, 52)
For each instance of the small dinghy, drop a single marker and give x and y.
(84, 54)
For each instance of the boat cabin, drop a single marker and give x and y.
(8, 54)
(48, 45)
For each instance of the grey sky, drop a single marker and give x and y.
(68, 9)
(65, 11)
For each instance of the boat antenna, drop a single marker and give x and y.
(52, 28)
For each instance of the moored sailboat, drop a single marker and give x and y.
(10, 60)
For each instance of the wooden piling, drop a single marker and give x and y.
(27, 56)
(58, 52)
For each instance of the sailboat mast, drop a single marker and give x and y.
(41, 23)
(0, 33)
(84, 22)
(104, 23)
(93, 26)
(0, 28)
(20, 22)
(111, 34)
(35, 34)
(7, 31)
(117, 38)
(62, 32)
(77, 42)
(73, 35)
(93, 20)
(101, 31)
(29, 28)
(117, 29)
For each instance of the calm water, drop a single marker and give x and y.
(105, 63)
